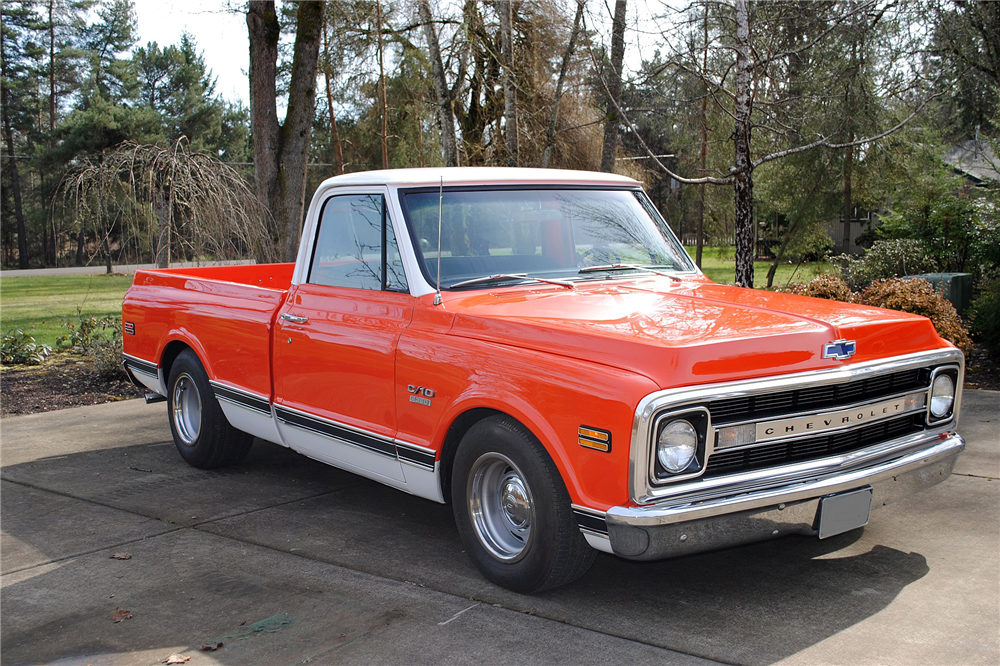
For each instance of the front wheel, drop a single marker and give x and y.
(202, 434)
(513, 511)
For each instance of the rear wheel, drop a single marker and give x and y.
(202, 434)
(513, 511)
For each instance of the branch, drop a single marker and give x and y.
(825, 142)
(649, 153)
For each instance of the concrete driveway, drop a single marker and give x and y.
(285, 561)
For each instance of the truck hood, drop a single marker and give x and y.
(684, 333)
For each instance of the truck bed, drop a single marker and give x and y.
(225, 313)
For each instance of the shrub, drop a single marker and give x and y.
(19, 348)
(99, 339)
(825, 285)
(984, 315)
(919, 297)
(885, 259)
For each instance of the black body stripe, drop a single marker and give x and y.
(415, 456)
(144, 367)
(242, 399)
(385, 447)
(591, 522)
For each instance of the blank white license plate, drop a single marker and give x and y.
(844, 512)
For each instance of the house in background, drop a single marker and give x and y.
(976, 160)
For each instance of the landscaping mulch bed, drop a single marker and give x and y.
(65, 380)
(982, 370)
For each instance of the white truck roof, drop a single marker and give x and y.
(479, 176)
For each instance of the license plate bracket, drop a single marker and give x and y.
(844, 512)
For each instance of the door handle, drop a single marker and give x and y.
(294, 319)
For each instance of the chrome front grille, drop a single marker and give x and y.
(769, 405)
(778, 430)
(780, 453)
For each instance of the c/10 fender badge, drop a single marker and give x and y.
(420, 394)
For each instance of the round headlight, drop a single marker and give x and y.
(677, 445)
(942, 396)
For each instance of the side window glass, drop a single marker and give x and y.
(349, 248)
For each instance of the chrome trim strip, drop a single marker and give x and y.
(410, 454)
(243, 398)
(704, 449)
(931, 421)
(590, 521)
(642, 491)
(814, 412)
(141, 366)
(834, 413)
(708, 506)
(335, 431)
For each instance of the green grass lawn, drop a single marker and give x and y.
(718, 264)
(40, 305)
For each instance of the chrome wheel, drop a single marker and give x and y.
(501, 506)
(186, 409)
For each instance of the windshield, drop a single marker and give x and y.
(548, 233)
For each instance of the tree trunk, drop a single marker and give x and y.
(700, 240)
(338, 149)
(281, 151)
(849, 113)
(163, 235)
(550, 134)
(780, 254)
(383, 101)
(264, 31)
(848, 202)
(743, 167)
(449, 141)
(612, 121)
(15, 183)
(80, 236)
(509, 90)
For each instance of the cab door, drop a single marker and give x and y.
(335, 341)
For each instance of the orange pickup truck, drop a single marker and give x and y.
(535, 347)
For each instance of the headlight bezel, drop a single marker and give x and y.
(952, 372)
(700, 419)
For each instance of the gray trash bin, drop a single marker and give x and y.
(956, 287)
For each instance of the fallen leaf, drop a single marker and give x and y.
(121, 556)
(176, 659)
(120, 615)
(212, 648)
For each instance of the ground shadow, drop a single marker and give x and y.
(751, 605)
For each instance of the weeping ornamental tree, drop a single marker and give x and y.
(169, 203)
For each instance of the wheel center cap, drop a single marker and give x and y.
(514, 500)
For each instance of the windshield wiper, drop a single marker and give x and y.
(507, 277)
(611, 268)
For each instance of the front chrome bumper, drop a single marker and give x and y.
(672, 529)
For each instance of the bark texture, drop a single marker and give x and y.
(15, 180)
(612, 120)
(281, 150)
(446, 116)
(742, 165)
(550, 134)
(509, 89)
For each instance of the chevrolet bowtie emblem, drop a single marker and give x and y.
(840, 349)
